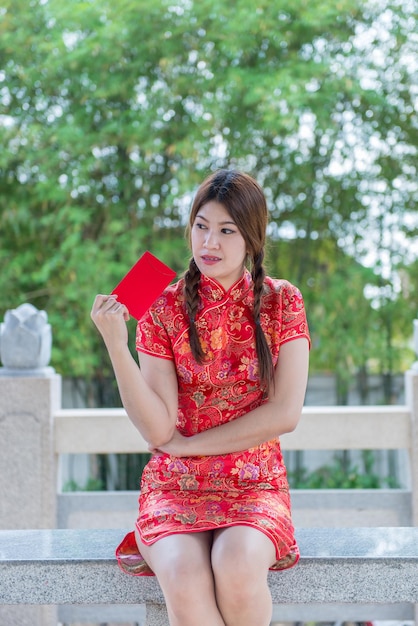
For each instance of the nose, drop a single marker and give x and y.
(211, 239)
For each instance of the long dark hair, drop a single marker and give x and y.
(245, 202)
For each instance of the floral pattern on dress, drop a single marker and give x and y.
(192, 494)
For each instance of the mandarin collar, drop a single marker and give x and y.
(212, 291)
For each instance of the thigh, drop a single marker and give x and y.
(242, 548)
(241, 557)
(183, 567)
(179, 553)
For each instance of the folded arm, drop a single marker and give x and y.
(279, 415)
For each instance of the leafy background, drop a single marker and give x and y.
(112, 113)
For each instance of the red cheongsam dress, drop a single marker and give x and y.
(200, 493)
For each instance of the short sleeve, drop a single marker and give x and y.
(283, 314)
(151, 334)
(293, 315)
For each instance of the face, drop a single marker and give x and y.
(218, 247)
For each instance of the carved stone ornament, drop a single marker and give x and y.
(25, 342)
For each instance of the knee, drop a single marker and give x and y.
(237, 593)
(236, 559)
(239, 573)
(177, 576)
(240, 562)
(189, 593)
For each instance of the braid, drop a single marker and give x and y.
(191, 297)
(265, 362)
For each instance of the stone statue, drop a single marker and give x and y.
(25, 342)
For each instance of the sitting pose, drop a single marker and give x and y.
(223, 358)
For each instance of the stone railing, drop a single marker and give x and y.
(35, 431)
(374, 568)
(84, 431)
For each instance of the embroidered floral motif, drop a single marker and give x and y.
(218, 339)
(246, 471)
(176, 465)
(188, 483)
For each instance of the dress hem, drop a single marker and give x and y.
(132, 562)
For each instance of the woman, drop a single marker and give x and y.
(223, 370)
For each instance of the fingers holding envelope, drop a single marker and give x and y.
(110, 317)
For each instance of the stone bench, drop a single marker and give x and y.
(339, 568)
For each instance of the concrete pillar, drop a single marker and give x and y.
(30, 393)
(27, 461)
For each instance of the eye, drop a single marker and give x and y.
(227, 231)
(200, 226)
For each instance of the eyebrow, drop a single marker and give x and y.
(221, 223)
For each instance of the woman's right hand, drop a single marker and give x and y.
(110, 317)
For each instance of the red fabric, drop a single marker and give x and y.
(250, 488)
(129, 558)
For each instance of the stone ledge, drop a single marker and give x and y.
(355, 566)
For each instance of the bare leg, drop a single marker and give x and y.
(182, 565)
(241, 557)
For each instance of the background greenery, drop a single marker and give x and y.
(112, 112)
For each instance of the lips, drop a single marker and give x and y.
(208, 259)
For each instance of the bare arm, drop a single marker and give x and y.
(149, 394)
(279, 415)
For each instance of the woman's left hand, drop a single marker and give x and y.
(177, 446)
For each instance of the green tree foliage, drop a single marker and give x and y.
(343, 474)
(111, 113)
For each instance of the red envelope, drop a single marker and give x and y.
(142, 285)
